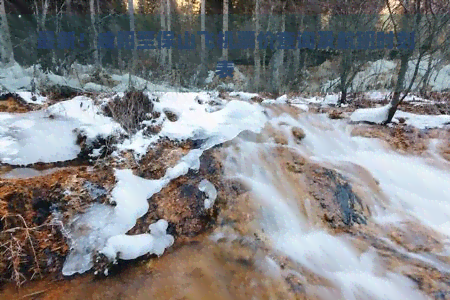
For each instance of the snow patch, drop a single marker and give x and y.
(423, 121)
(376, 115)
(379, 115)
(48, 135)
(133, 246)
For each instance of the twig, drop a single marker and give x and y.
(29, 238)
(35, 294)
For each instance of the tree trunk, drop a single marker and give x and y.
(203, 28)
(426, 76)
(298, 54)
(225, 28)
(163, 28)
(256, 53)
(6, 50)
(132, 29)
(98, 30)
(69, 7)
(398, 87)
(269, 23)
(345, 67)
(278, 73)
(94, 28)
(169, 66)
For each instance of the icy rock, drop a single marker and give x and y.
(133, 246)
(211, 192)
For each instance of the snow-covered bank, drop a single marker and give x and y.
(379, 115)
(48, 135)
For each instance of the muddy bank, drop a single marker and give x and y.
(197, 270)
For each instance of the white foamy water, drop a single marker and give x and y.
(414, 185)
(415, 190)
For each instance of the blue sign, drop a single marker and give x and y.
(225, 69)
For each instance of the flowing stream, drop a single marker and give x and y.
(414, 188)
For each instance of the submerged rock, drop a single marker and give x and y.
(298, 133)
(341, 206)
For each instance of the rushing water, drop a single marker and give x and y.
(414, 189)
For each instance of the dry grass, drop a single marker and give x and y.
(130, 111)
(14, 249)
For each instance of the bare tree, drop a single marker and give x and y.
(94, 29)
(257, 56)
(69, 7)
(42, 13)
(163, 28)
(225, 28)
(132, 29)
(352, 16)
(278, 65)
(169, 23)
(6, 50)
(417, 17)
(203, 29)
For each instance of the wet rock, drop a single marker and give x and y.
(280, 139)
(298, 133)
(181, 202)
(296, 165)
(251, 136)
(442, 295)
(342, 207)
(335, 114)
(199, 100)
(171, 116)
(257, 99)
(100, 147)
(42, 208)
(295, 284)
(416, 238)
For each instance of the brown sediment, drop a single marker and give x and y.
(402, 138)
(200, 270)
(12, 103)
